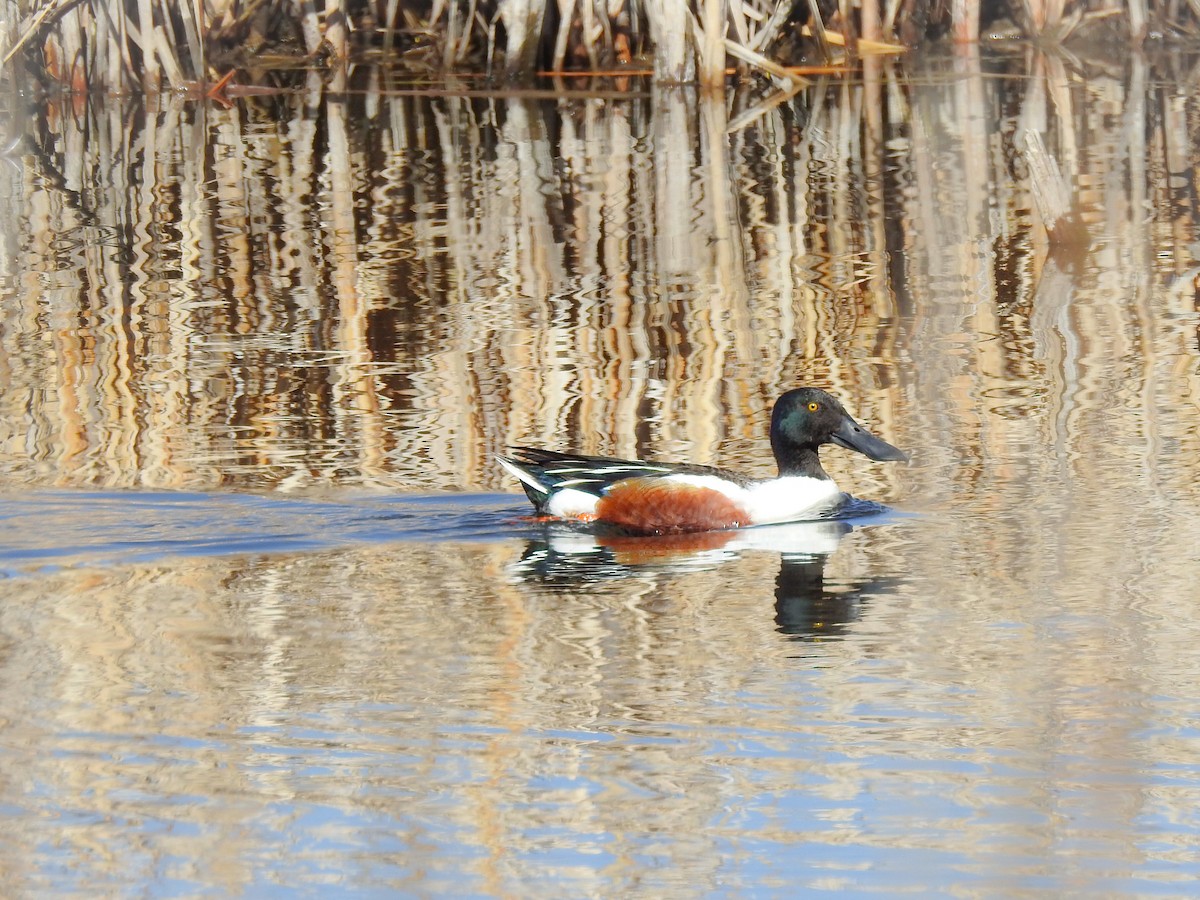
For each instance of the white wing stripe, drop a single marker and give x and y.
(522, 475)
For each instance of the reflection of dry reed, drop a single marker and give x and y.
(263, 686)
(391, 297)
(298, 701)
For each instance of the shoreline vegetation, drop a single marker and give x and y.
(148, 45)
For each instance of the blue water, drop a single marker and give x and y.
(50, 528)
(46, 529)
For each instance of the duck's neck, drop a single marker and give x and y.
(799, 461)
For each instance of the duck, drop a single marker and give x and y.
(645, 497)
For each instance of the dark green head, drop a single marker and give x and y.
(806, 418)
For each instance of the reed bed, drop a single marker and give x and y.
(198, 45)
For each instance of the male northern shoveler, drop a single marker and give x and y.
(641, 497)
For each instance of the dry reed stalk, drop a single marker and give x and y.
(870, 23)
(310, 25)
(1139, 17)
(97, 41)
(591, 31)
(784, 76)
(865, 47)
(192, 18)
(566, 12)
(334, 28)
(817, 27)
(523, 27)
(668, 22)
(391, 15)
(453, 37)
(964, 18)
(888, 26)
(710, 43)
(150, 64)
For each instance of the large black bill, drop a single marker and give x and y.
(851, 434)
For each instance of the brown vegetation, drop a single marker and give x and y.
(144, 44)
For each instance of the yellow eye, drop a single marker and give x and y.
(813, 405)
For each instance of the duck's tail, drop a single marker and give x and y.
(537, 492)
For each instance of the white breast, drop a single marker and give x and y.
(791, 499)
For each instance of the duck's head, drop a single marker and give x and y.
(806, 418)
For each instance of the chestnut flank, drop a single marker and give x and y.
(659, 506)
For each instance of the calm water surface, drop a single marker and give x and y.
(274, 624)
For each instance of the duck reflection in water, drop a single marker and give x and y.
(805, 606)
